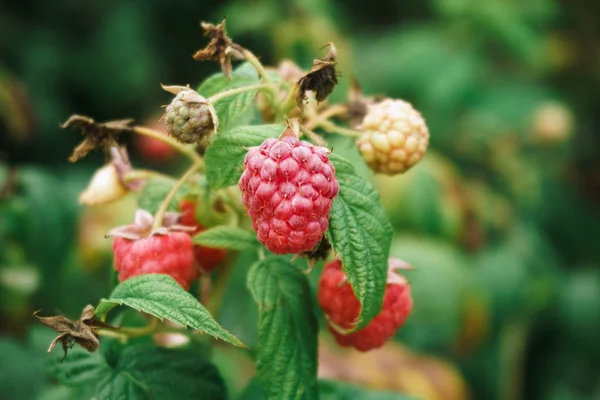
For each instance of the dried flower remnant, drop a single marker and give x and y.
(220, 48)
(83, 331)
(321, 79)
(97, 135)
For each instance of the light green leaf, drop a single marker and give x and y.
(154, 192)
(141, 371)
(159, 295)
(287, 330)
(227, 237)
(361, 235)
(232, 107)
(225, 156)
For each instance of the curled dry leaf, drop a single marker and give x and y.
(220, 48)
(97, 135)
(321, 79)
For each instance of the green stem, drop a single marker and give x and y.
(144, 174)
(252, 59)
(232, 92)
(333, 128)
(124, 333)
(262, 72)
(188, 151)
(160, 214)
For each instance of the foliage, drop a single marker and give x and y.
(499, 219)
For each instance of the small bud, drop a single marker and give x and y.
(190, 118)
(105, 187)
(107, 184)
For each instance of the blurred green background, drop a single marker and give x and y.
(501, 218)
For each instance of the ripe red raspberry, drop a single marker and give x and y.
(169, 250)
(288, 186)
(342, 308)
(207, 257)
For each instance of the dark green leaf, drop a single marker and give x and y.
(154, 192)
(80, 367)
(225, 157)
(141, 371)
(227, 237)
(159, 295)
(287, 330)
(361, 234)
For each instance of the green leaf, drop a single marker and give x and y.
(230, 108)
(332, 390)
(225, 156)
(80, 367)
(287, 330)
(159, 295)
(243, 75)
(21, 371)
(361, 234)
(227, 237)
(141, 371)
(154, 192)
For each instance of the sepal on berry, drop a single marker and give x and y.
(142, 226)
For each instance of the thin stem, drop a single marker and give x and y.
(124, 333)
(160, 214)
(188, 151)
(232, 92)
(319, 141)
(143, 174)
(262, 72)
(333, 111)
(252, 59)
(333, 128)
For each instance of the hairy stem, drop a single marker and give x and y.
(232, 92)
(144, 174)
(262, 72)
(160, 214)
(188, 151)
(333, 128)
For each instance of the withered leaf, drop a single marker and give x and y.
(321, 79)
(220, 48)
(84, 331)
(97, 135)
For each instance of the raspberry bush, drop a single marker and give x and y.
(271, 191)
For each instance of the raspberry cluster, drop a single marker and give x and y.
(395, 137)
(288, 186)
(342, 308)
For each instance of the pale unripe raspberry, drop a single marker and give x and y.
(189, 117)
(288, 187)
(395, 137)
